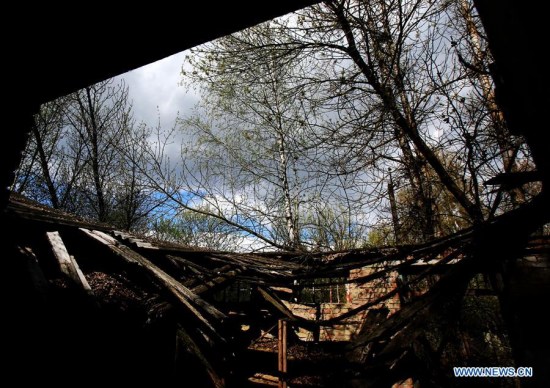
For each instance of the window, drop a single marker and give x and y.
(323, 290)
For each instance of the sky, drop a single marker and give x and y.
(155, 89)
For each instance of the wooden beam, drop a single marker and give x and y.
(195, 350)
(194, 267)
(186, 298)
(67, 264)
(217, 282)
(281, 308)
(274, 301)
(264, 379)
(193, 282)
(138, 242)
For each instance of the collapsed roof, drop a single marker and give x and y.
(70, 274)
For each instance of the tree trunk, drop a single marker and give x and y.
(45, 167)
(289, 214)
(394, 216)
(407, 125)
(93, 131)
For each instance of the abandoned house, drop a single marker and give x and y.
(85, 303)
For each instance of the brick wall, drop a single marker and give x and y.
(356, 295)
(359, 294)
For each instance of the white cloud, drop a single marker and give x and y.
(155, 89)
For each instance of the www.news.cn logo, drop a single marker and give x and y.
(494, 371)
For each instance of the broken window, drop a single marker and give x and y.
(324, 290)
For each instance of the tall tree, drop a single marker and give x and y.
(473, 54)
(392, 72)
(99, 116)
(376, 36)
(83, 156)
(41, 164)
(325, 101)
(251, 158)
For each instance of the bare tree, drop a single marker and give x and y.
(250, 160)
(473, 54)
(40, 166)
(332, 97)
(82, 156)
(99, 115)
(403, 93)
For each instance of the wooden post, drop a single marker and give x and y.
(282, 353)
(317, 328)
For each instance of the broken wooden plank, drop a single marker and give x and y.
(194, 267)
(282, 309)
(264, 379)
(80, 274)
(217, 282)
(284, 290)
(138, 242)
(192, 282)
(145, 245)
(195, 350)
(102, 236)
(189, 300)
(277, 303)
(68, 265)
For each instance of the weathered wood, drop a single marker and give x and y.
(281, 308)
(80, 274)
(28, 210)
(194, 349)
(138, 242)
(103, 236)
(68, 265)
(266, 268)
(189, 300)
(194, 267)
(264, 379)
(217, 282)
(274, 301)
(193, 282)
(282, 353)
(285, 290)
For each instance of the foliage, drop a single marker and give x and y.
(346, 124)
(196, 230)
